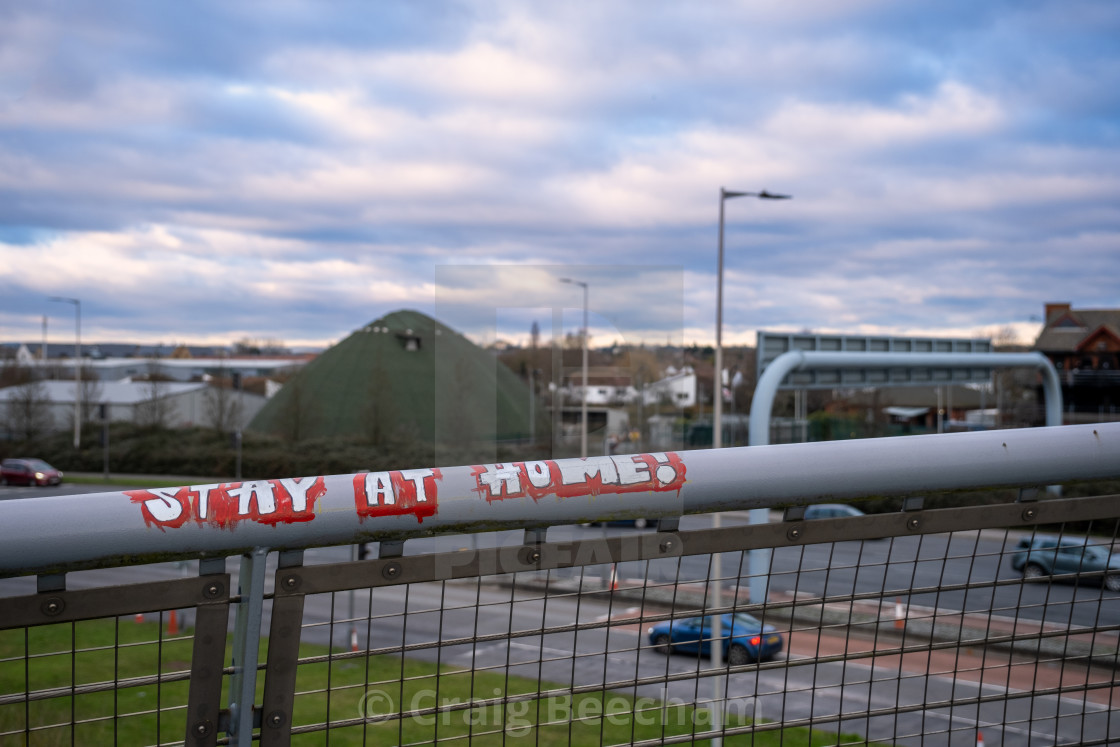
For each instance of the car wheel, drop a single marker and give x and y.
(663, 645)
(1112, 582)
(1032, 570)
(640, 523)
(737, 656)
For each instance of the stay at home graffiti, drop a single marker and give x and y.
(412, 492)
(224, 505)
(569, 478)
(397, 493)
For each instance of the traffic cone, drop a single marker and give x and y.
(172, 623)
(614, 577)
(979, 738)
(139, 617)
(899, 614)
(353, 639)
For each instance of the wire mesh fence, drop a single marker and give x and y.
(915, 638)
(918, 627)
(97, 666)
(92, 682)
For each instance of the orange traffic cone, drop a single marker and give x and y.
(139, 617)
(979, 738)
(353, 639)
(899, 614)
(172, 623)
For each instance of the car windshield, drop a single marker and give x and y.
(39, 465)
(1095, 552)
(742, 618)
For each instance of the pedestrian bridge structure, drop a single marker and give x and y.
(419, 606)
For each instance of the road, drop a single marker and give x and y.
(802, 689)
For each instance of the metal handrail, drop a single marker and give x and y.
(63, 533)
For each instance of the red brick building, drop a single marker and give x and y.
(1084, 345)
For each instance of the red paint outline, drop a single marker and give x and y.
(591, 486)
(405, 494)
(222, 507)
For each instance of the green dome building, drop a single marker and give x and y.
(405, 375)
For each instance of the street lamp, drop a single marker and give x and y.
(717, 411)
(77, 366)
(717, 443)
(583, 399)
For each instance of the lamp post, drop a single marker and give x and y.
(717, 410)
(583, 398)
(717, 443)
(77, 366)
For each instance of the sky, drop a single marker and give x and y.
(210, 171)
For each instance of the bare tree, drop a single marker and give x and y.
(28, 411)
(90, 392)
(12, 373)
(1015, 389)
(155, 410)
(223, 405)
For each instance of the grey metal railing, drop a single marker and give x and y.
(505, 619)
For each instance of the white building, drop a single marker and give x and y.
(606, 386)
(614, 386)
(175, 369)
(678, 388)
(180, 404)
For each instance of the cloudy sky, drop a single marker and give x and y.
(205, 171)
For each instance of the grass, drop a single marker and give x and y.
(360, 687)
(133, 481)
(65, 655)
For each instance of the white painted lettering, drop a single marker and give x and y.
(297, 488)
(496, 476)
(665, 472)
(631, 470)
(577, 471)
(379, 489)
(204, 498)
(416, 477)
(164, 507)
(539, 473)
(249, 491)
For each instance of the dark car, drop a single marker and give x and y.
(831, 511)
(744, 638)
(28, 472)
(1057, 556)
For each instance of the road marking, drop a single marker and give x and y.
(628, 613)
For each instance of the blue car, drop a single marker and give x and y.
(745, 639)
(831, 511)
(1065, 556)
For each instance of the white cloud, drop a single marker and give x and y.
(954, 110)
(938, 179)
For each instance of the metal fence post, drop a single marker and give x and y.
(246, 645)
(208, 657)
(283, 651)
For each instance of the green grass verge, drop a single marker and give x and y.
(133, 481)
(103, 651)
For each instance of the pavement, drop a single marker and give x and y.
(890, 625)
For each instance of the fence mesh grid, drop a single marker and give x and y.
(915, 639)
(102, 681)
(929, 639)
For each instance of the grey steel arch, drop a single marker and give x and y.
(763, 402)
